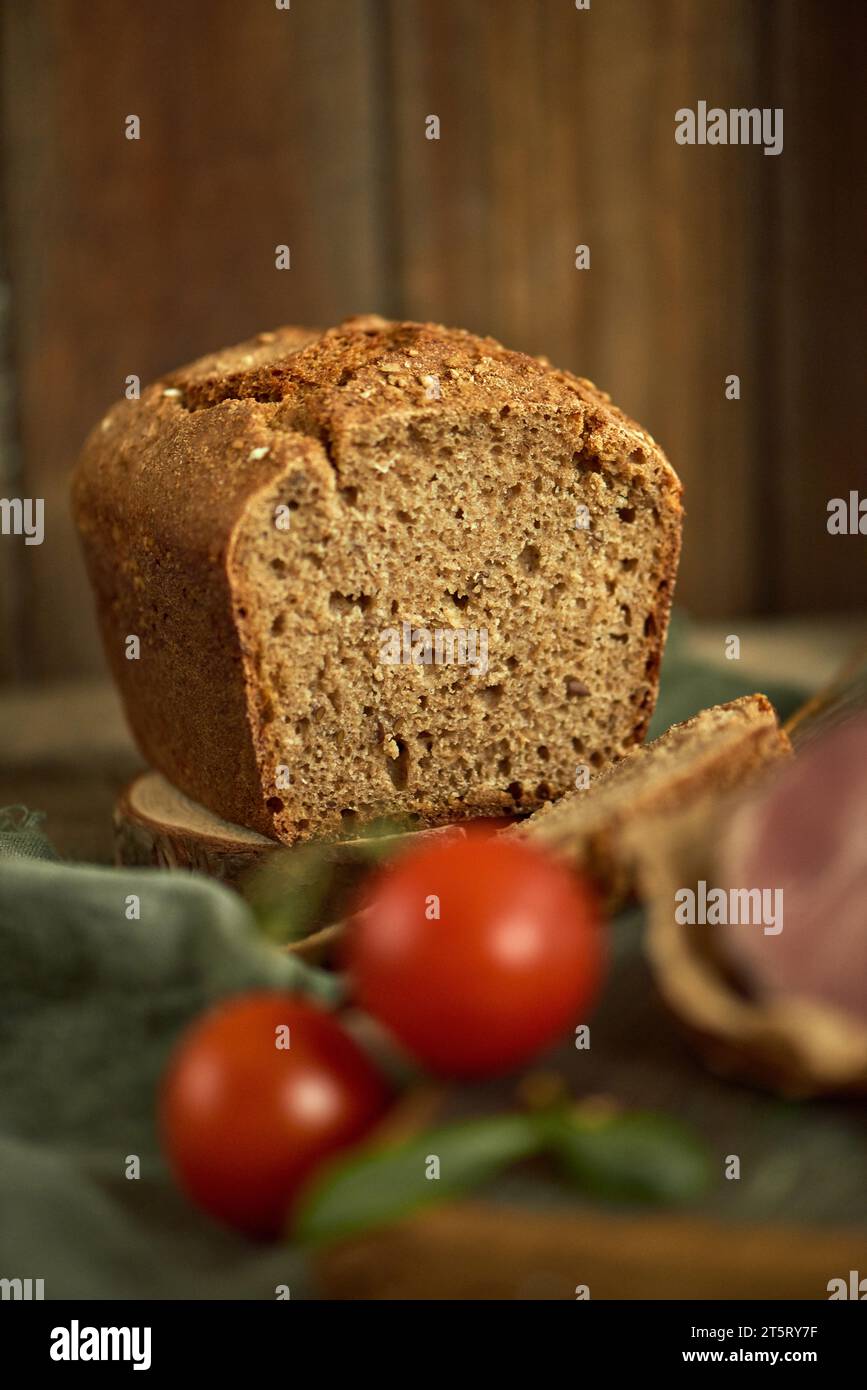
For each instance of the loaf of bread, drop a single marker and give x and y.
(604, 829)
(389, 568)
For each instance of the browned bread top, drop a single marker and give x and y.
(299, 383)
(177, 461)
(353, 371)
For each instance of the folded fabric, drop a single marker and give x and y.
(92, 1000)
(22, 836)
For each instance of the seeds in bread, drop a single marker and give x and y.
(263, 519)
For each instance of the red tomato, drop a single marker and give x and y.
(476, 953)
(245, 1121)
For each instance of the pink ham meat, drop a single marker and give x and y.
(808, 836)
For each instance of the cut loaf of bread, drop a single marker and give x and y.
(601, 830)
(392, 568)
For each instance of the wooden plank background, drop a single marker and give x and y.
(306, 126)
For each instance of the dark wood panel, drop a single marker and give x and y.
(131, 256)
(10, 546)
(558, 129)
(307, 126)
(820, 301)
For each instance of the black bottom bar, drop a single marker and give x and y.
(163, 1339)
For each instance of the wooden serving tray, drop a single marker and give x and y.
(476, 1250)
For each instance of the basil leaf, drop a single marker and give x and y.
(376, 839)
(635, 1156)
(289, 892)
(297, 891)
(375, 1186)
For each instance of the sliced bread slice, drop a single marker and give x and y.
(599, 830)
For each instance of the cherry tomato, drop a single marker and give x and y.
(476, 953)
(245, 1119)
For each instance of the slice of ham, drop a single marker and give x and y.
(808, 836)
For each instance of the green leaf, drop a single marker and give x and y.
(375, 1186)
(296, 891)
(376, 839)
(634, 1156)
(289, 891)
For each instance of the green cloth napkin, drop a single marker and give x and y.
(21, 834)
(91, 1004)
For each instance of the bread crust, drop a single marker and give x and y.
(164, 483)
(724, 748)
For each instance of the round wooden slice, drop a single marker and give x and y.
(156, 826)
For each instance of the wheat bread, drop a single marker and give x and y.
(314, 536)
